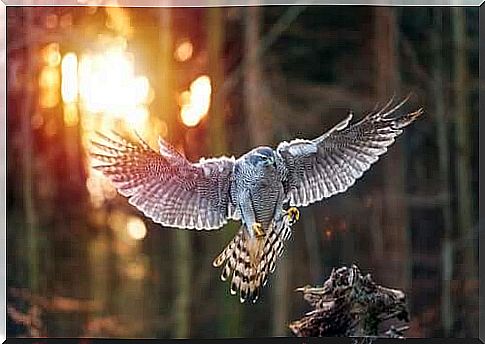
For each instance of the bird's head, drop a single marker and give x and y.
(262, 157)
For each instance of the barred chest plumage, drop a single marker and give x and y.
(258, 189)
(267, 197)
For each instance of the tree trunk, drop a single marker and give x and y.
(395, 231)
(28, 197)
(441, 119)
(182, 283)
(463, 163)
(260, 133)
(181, 238)
(312, 242)
(259, 121)
(215, 41)
(230, 324)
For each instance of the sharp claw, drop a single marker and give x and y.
(293, 215)
(258, 230)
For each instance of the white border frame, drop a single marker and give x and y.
(135, 3)
(228, 3)
(3, 175)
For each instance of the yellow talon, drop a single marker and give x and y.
(293, 215)
(258, 230)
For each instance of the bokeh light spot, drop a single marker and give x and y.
(195, 102)
(184, 51)
(136, 228)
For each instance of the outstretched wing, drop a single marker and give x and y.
(165, 186)
(312, 170)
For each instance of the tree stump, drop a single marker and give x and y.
(350, 304)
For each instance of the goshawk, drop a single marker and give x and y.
(255, 188)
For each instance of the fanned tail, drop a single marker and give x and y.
(248, 261)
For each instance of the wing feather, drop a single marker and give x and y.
(164, 185)
(312, 170)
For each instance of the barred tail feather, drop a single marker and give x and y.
(248, 261)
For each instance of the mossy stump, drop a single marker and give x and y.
(350, 304)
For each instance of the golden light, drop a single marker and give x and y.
(190, 116)
(71, 116)
(195, 104)
(110, 95)
(100, 91)
(163, 128)
(69, 85)
(118, 20)
(108, 86)
(49, 81)
(49, 77)
(138, 117)
(136, 228)
(51, 54)
(142, 89)
(184, 98)
(105, 82)
(184, 51)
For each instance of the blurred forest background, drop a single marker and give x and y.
(82, 262)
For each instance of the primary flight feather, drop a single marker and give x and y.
(255, 188)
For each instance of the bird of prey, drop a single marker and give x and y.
(262, 188)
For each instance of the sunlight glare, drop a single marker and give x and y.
(195, 104)
(136, 228)
(69, 85)
(142, 89)
(110, 95)
(108, 85)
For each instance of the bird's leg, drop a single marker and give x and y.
(258, 230)
(293, 215)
